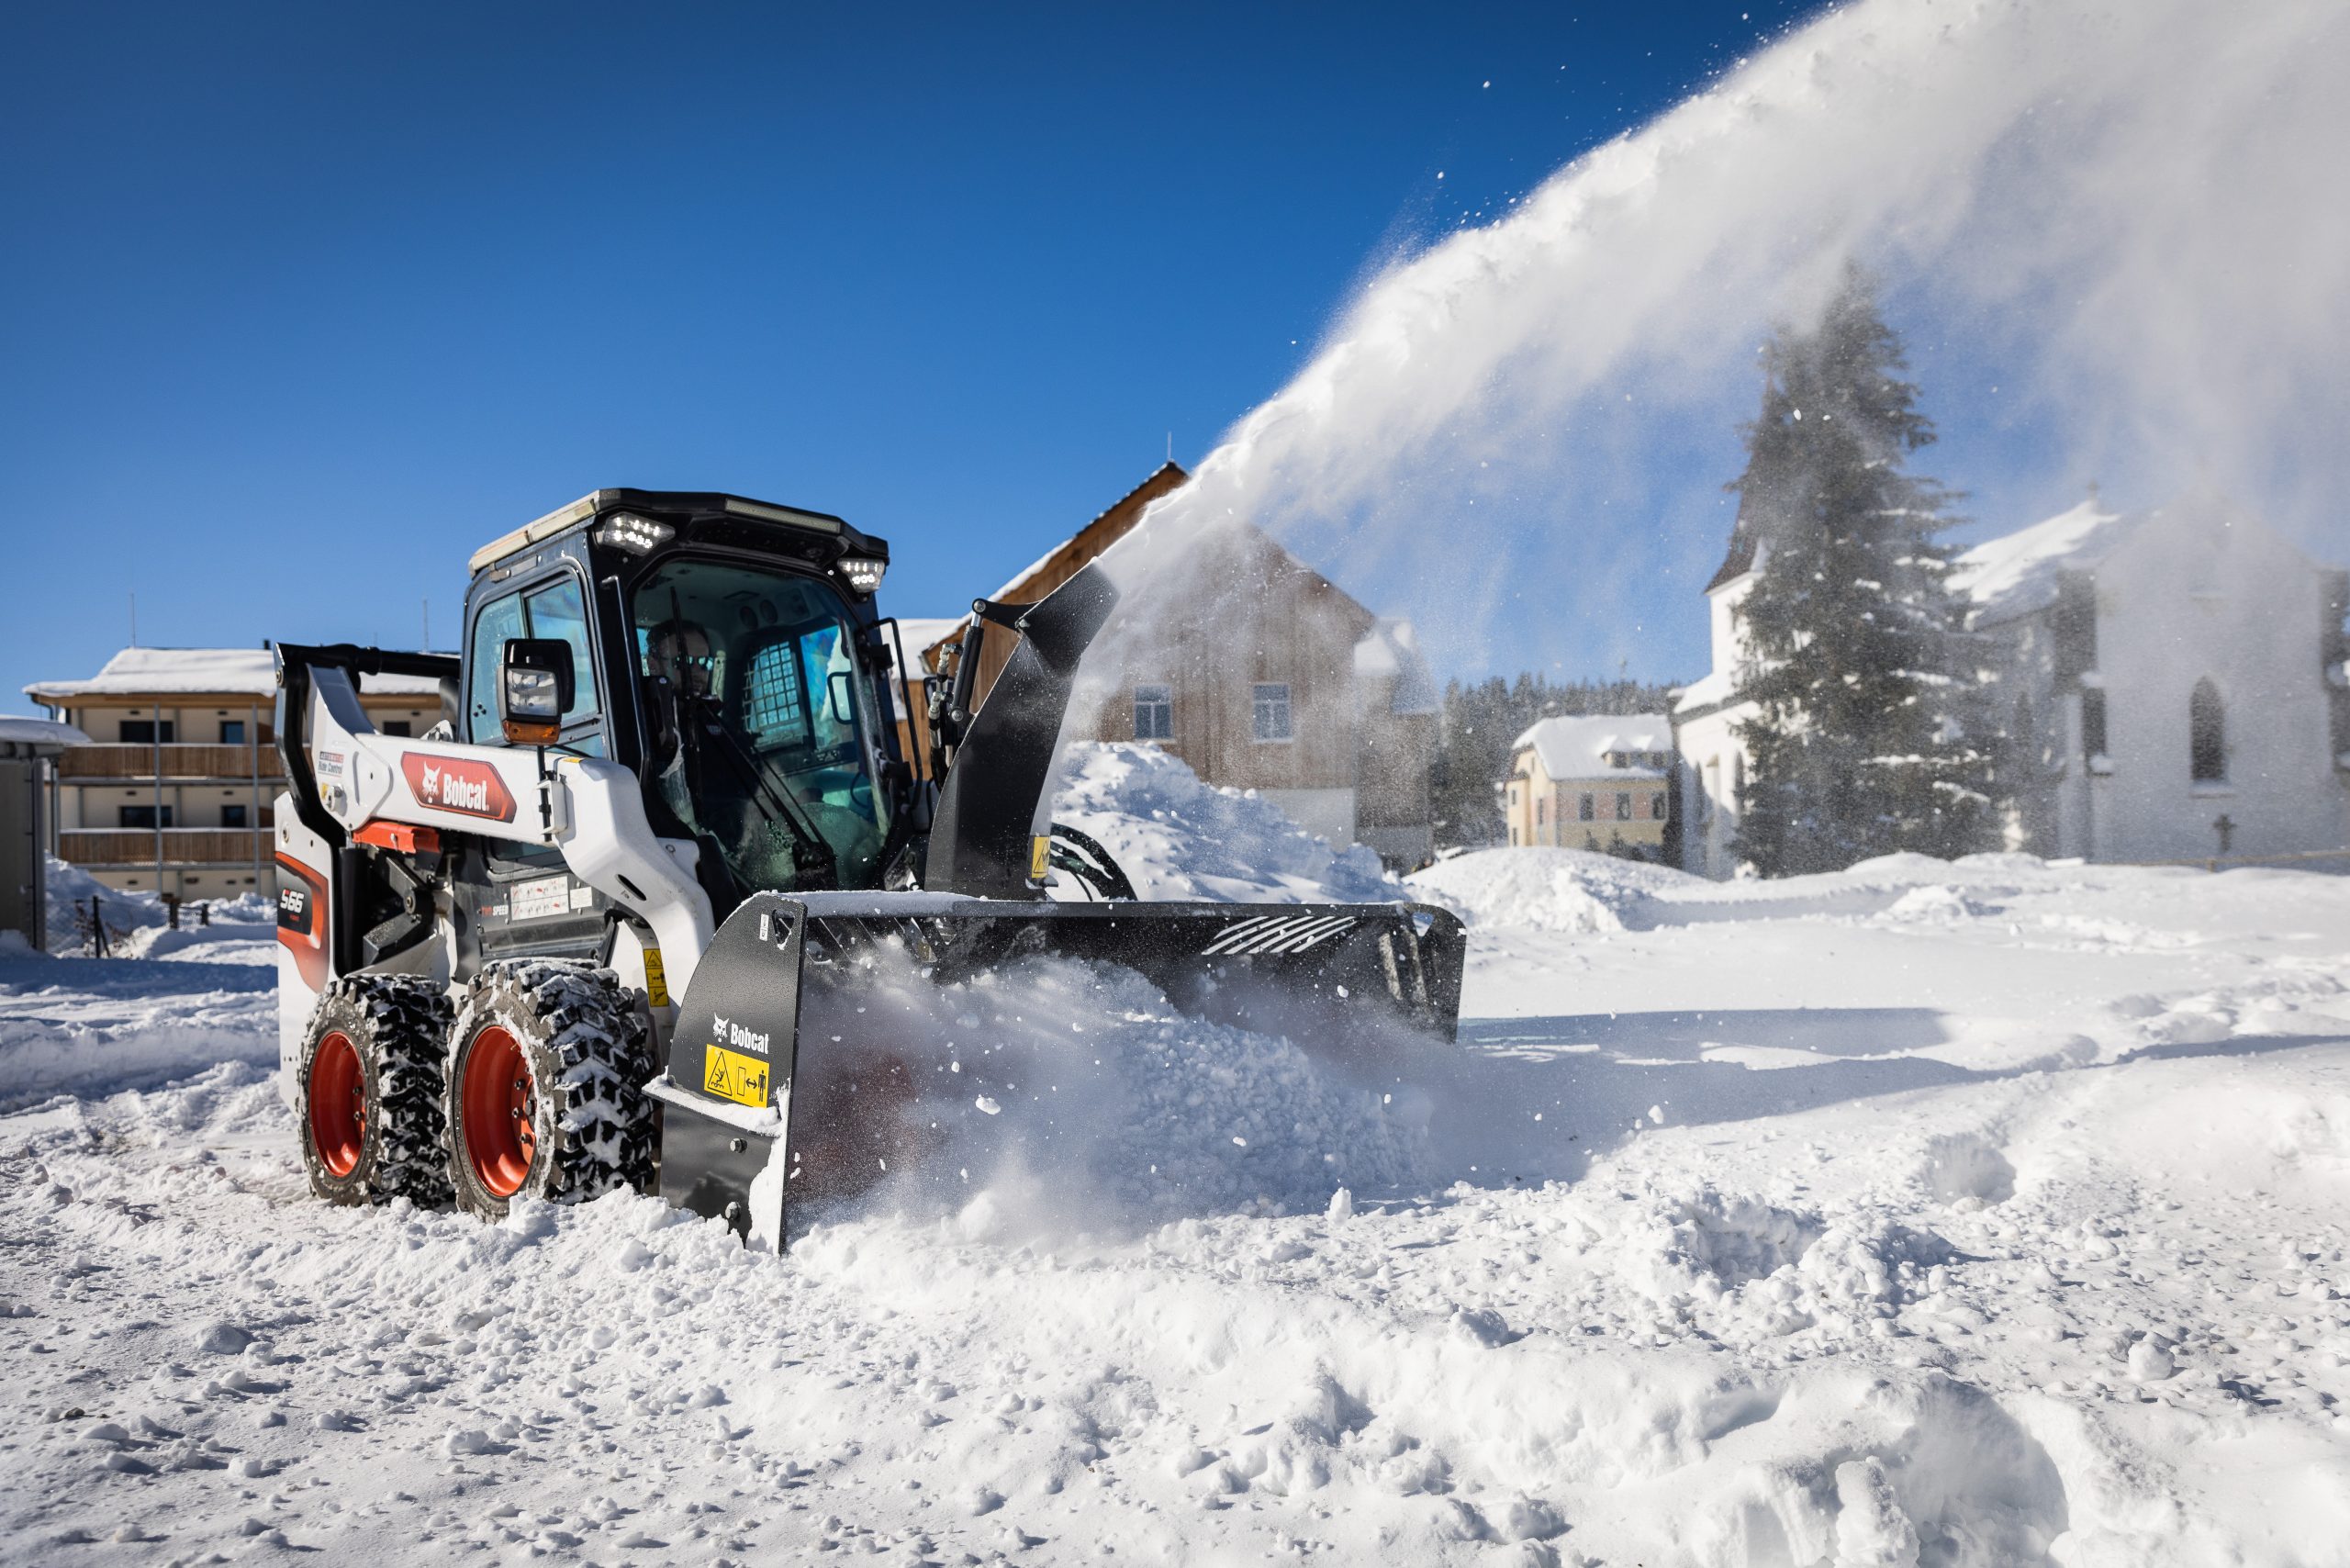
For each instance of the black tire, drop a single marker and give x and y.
(544, 1091)
(370, 1101)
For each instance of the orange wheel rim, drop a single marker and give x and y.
(338, 1104)
(501, 1111)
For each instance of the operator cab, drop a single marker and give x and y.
(728, 652)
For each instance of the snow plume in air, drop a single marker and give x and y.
(2122, 227)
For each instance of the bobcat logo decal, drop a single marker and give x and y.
(454, 784)
(730, 1033)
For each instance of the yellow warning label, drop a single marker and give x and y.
(731, 1075)
(1039, 854)
(656, 983)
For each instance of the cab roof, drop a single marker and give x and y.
(672, 505)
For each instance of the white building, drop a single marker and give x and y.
(1704, 721)
(2171, 684)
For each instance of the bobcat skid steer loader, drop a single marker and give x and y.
(623, 917)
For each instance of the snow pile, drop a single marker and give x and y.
(1935, 903)
(1570, 891)
(69, 892)
(139, 924)
(70, 1026)
(1178, 838)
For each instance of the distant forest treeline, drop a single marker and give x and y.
(1480, 720)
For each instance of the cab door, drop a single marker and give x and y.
(553, 606)
(515, 900)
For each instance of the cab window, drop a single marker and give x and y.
(761, 722)
(556, 608)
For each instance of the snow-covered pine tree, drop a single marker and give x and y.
(1868, 738)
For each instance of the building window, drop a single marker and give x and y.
(232, 731)
(1623, 808)
(1513, 838)
(1541, 811)
(1271, 711)
(232, 816)
(398, 727)
(1586, 807)
(2207, 734)
(142, 732)
(1656, 807)
(1154, 712)
(143, 816)
(2092, 722)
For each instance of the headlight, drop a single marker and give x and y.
(627, 530)
(863, 572)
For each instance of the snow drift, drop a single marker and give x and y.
(1179, 838)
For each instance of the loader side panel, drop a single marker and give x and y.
(304, 953)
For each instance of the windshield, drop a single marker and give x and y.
(760, 724)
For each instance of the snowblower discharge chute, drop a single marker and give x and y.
(572, 938)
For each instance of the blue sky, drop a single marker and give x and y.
(303, 304)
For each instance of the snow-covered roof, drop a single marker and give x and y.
(2017, 573)
(1579, 747)
(1391, 652)
(1714, 687)
(36, 737)
(177, 672)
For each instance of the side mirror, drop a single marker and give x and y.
(535, 684)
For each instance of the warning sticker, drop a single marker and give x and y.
(538, 899)
(1040, 853)
(731, 1075)
(656, 982)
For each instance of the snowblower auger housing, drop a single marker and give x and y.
(755, 1118)
(666, 814)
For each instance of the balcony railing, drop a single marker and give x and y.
(182, 845)
(83, 764)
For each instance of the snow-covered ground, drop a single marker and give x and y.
(1990, 1214)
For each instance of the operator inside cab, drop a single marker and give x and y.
(760, 724)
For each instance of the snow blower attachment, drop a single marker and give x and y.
(668, 760)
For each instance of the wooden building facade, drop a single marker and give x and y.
(1258, 672)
